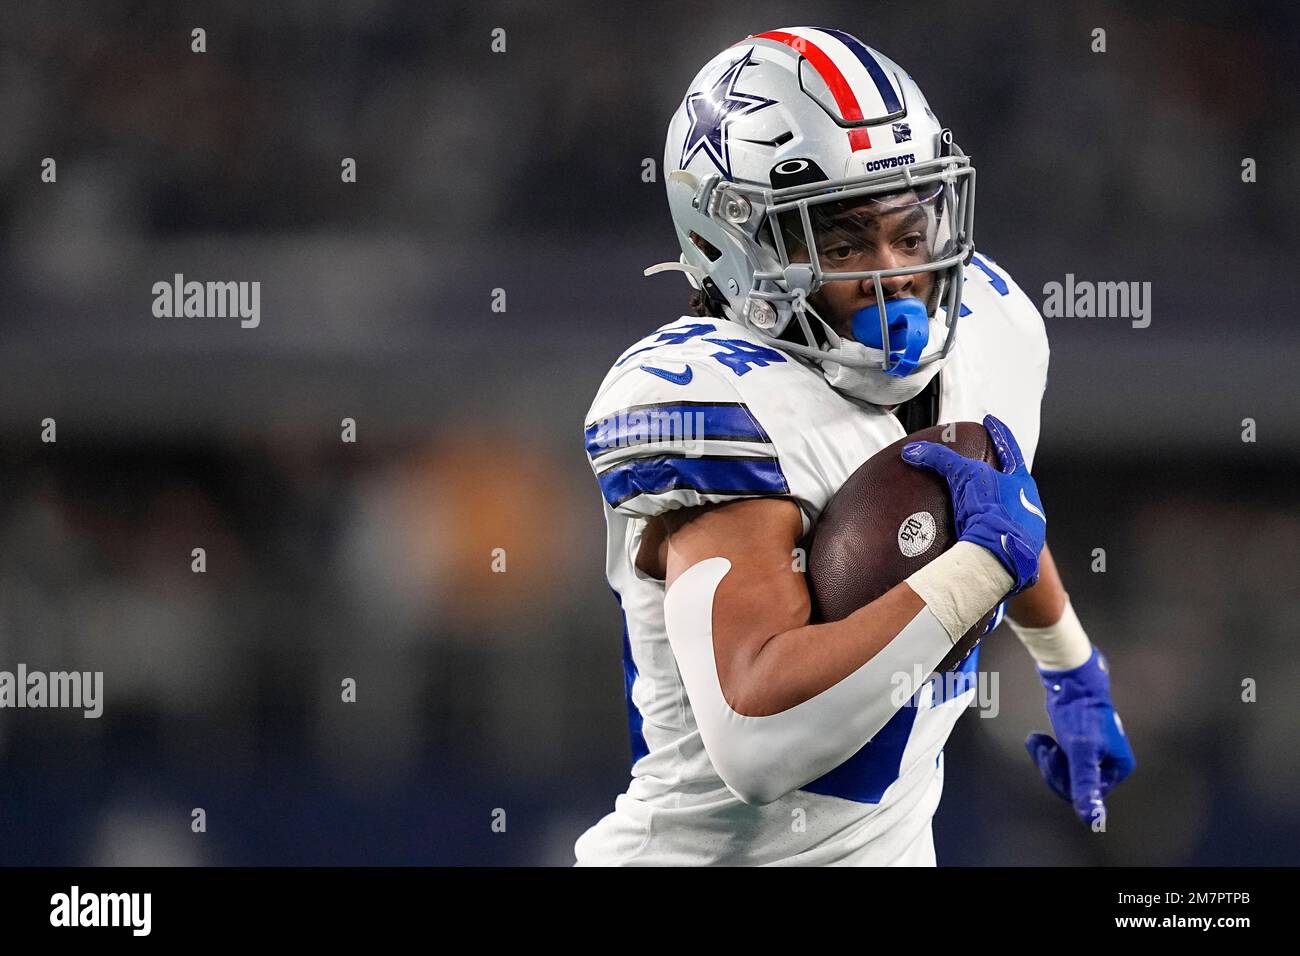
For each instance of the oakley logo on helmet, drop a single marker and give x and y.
(796, 172)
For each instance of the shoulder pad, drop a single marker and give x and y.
(667, 431)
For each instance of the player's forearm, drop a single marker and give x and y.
(1043, 604)
(1045, 623)
(800, 663)
(764, 757)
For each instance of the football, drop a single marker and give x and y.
(889, 519)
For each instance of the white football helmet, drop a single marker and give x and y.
(780, 137)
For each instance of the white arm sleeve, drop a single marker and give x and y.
(761, 759)
(1061, 647)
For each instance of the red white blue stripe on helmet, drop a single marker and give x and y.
(888, 95)
(863, 91)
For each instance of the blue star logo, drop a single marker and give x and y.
(710, 113)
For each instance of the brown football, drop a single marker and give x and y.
(889, 519)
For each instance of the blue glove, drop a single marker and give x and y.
(998, 510)
(1093, 755)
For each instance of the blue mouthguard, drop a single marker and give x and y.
(909, 331)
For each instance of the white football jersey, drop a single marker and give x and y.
(704, 410)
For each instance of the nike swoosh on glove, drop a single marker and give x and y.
(1000, 510)
(1093, 755)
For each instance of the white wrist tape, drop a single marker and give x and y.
(1061, 647)
(763, 758)
(961, 585)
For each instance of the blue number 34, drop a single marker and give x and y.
(740, 355)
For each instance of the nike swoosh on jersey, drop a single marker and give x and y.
(677, 378)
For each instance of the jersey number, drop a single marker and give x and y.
(739, 356)
(999, 284)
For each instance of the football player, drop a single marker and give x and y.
(825, 219)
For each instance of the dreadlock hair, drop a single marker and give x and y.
(700, 306)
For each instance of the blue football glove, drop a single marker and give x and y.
(998, 510)
(1093, 755)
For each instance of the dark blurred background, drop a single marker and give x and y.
(521, 171)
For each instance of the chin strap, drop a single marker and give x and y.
(697, 277)
(694, 274)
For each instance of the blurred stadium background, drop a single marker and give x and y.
(522, 171)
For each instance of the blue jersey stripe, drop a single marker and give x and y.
(634, 718)
(866, 775)
(962, 680)
(672, 422)
(715, 475)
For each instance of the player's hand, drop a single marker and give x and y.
(998, 510)
(1093, 755)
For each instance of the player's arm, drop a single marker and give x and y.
(1043, 604)
(1090, 754)
(780, 701)
(768, 657)
(1045, 622)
